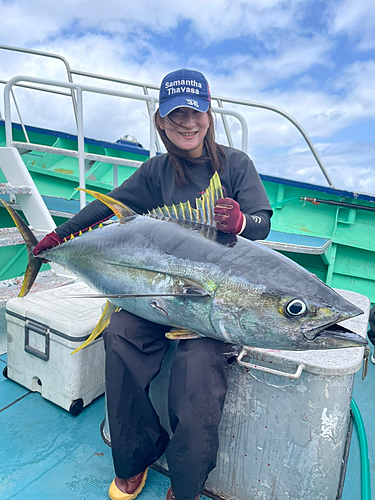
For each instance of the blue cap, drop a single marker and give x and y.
(184, 88)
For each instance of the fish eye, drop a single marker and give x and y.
(296, 307)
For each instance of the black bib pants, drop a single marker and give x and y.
(198, 382)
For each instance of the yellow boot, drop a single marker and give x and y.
(133, 485)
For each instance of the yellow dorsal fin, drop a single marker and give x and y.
(118, 208)
(203, 214)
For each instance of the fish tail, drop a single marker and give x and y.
(34, 263)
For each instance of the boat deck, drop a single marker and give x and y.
(47, 453)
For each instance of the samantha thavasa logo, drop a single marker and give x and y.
(178, 86)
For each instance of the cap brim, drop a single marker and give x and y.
(181, 102)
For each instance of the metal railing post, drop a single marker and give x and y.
(152, 106)
(7, 116)
(115, 175)
(81, 148)
(20, 117)
(245, 129)
(225, 124)
(151, 116)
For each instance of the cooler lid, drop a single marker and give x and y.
(71, 319)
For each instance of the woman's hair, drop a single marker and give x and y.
(214, 152)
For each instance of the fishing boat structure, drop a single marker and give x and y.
(53, 453)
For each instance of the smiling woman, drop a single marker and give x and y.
(135, 347)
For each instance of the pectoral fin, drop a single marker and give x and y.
(175, 286)
(102, 324)
(194, 293)
(182, 334)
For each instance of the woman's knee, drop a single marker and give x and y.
(202, 351)
(201, 366)
(115, 327)
(127, 329)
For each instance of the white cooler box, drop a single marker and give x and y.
(43, 329)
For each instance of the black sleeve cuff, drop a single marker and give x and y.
(258, 225)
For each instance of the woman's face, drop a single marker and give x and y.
(187, 128)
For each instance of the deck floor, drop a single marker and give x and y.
(45, 453)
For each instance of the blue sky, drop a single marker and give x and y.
(313, 59)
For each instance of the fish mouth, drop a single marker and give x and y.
(334, 334)
(337, 335)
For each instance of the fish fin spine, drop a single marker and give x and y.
(184, 212)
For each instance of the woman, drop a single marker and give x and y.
(135, 347)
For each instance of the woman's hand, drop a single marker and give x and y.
(49, 241)
(228, 216)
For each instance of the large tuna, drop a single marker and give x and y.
(173, 267)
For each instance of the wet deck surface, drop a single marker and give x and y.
(47, 453)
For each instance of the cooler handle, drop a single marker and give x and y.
(30, 326)
(291, 376)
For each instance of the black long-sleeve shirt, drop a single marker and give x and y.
(153, 184)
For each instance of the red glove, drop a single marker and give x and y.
(49, 241)
(228, 216)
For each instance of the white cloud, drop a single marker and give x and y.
(356, 19)
(225, 19)
(348, 99)
(212, 20)
(350, 166)
(294, 56)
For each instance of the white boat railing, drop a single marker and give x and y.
(146, 87)
(81, 154)
(49, 55)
